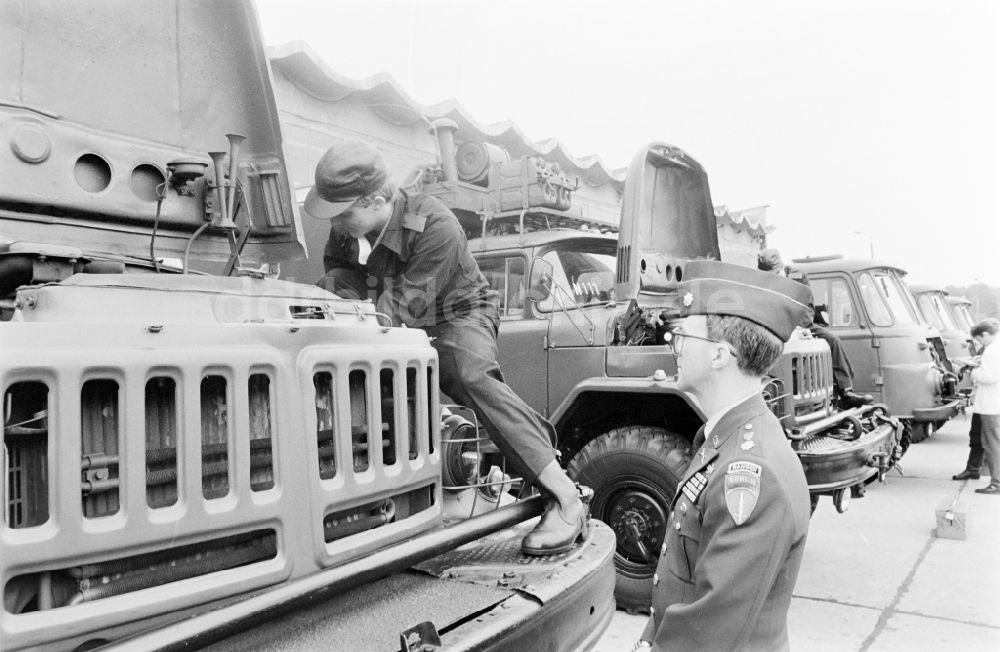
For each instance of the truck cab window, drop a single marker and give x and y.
(841, 310)
(583, 274)
(928, 311)
(878, 311)
(505, 274)
(896, 296)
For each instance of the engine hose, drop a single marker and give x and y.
(161, 193)
(187, 248)
(855, 431)
(215, 468)
(264, 443)
(154, 455)
(261, 460)
(163, 476)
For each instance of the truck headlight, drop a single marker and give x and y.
(462, 455)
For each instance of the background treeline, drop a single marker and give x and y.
(985, 298)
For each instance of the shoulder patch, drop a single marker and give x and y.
(742, 486)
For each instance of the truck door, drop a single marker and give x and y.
(833, 295)
(577, 307)
(521, 340)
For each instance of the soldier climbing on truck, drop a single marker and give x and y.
(409, 250)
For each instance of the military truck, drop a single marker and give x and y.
(195, 451)
(897, 358)
(936, 310)
(961, 310)
(582, 340)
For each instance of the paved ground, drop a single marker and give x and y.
(878, 579)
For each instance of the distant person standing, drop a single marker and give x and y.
(986, 398)
(737, 533)
(974, 464)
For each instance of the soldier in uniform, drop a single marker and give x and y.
(407, 252)
(736, 535)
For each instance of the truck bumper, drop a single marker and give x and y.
(831, 464)
(485, 595)
(938, 413)
(563, 604)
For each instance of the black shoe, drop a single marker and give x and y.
(849, 399)
(966, 475)
(991, 489)
(557, 532)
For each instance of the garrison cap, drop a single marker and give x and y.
(711, 287)
(347, 172)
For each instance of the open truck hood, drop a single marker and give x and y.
(667, 220)
(96, 98)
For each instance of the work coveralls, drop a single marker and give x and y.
(422, 274)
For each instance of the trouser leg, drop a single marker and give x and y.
(975, 444)
(470, 375)
(991, 444)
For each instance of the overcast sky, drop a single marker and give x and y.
(879, 117)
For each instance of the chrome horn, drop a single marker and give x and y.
(235, 140)
(220, 190)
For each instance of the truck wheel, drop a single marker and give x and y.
(634, 472)
(920, 430)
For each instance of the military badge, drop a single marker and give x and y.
(688, 300)
(693, 487)
(742, 487)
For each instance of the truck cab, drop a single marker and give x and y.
(897, 358)
(961, 310)
(193, 450)
(936, 311)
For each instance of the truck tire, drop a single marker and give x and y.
(634, 472)
(920, 430)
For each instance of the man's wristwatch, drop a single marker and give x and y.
(642, 645)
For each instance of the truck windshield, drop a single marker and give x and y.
(934, 311)
(885, 298)
(583, 270)
(964, 316)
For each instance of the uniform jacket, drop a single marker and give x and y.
(421, 270)
(986, 399)
(720, 584)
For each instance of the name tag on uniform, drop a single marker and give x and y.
(742, 485)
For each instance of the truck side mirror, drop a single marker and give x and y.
(541, 280)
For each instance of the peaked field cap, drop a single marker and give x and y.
(347, 172)
(711, 287)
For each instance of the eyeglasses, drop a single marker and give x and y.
(675, 339)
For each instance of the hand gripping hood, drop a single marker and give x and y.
(667, 220)
(97, 98)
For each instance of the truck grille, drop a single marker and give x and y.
(812, 381)
(207, 434)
